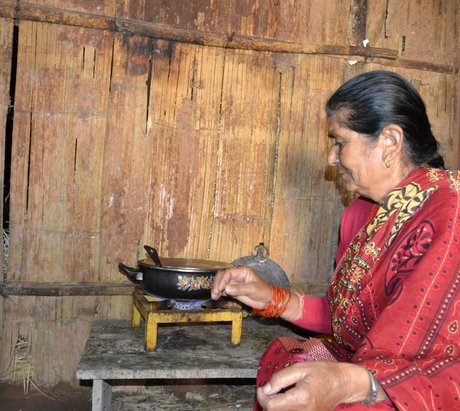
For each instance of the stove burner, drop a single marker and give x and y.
(179, 304)
(188, 305)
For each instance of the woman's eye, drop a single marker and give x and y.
(338, 144)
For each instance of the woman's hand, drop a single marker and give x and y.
(243, 284)
(316, 386)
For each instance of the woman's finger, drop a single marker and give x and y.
(291, 400)
(256, 294)
(285, 378)
(231, 275)
(313, 385)
(243, 284)
(220, 281)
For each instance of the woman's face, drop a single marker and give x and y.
(359, 161)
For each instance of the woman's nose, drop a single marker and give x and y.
(332, 157)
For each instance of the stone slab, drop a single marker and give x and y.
(115, 350)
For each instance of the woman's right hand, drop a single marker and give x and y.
(243, 284)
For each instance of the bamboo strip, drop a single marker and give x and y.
(6, 48)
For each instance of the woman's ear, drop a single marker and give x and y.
(392, 140)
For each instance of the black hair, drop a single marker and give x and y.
(370, 101)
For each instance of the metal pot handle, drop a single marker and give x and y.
(131, 272)
(259, 253)
(153, 254)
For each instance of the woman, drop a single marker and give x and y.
(393, 304)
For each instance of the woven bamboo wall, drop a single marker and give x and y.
(193, 127)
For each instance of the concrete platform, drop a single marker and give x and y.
(115, 351)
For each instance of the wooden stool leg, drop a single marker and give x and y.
(136, 316)
(237, 325)
(151, 331)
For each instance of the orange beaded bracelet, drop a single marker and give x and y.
(278, 304)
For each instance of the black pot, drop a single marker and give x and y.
(175, 278)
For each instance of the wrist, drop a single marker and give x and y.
(295, 308)
(278, 304)
(374, 388)
(358, 385)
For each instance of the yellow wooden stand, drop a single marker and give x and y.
(146, 307)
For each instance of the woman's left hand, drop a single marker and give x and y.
(316, 385)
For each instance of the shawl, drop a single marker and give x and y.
(394, 297)
(394, 300)
(354, 217)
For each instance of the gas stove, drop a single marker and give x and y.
(156, 310)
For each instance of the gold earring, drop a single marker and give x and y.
(387, 163)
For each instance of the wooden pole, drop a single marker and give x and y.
(53, 15)
(64, 289)
(46, 14)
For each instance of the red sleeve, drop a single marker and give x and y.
(317, 314)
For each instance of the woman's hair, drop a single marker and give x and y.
(370, 101)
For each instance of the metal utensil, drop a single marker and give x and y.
(264, 267)
(153, 254)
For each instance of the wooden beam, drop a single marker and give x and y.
(64, 289)
(419, 65)
(53, 15)
(46, 14)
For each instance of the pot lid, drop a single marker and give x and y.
(186, 264)
(267, 269)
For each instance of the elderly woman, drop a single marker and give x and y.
(393, 306)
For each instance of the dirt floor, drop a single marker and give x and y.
(172, 397)
(59, 398)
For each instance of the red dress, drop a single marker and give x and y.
(394, 299)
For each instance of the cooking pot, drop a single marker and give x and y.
(174, 278)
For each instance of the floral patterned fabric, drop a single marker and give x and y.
(395, 300)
